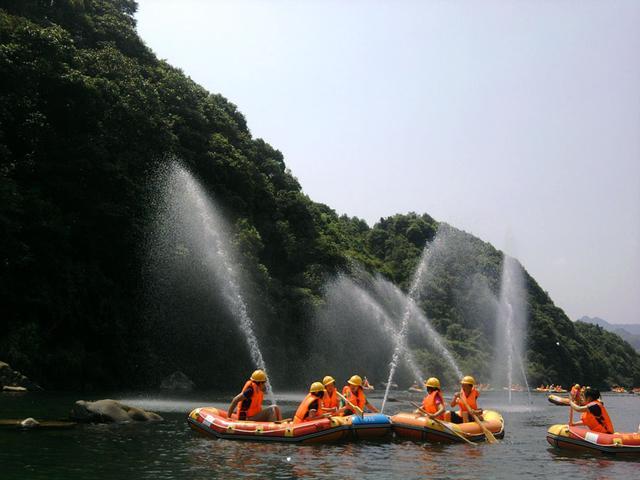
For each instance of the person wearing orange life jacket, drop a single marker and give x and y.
(247, 405)
(433, 403)
(355, 394)
(471, 397)
(311, 405)
(330, 402)
(576, 394)
(594, 415)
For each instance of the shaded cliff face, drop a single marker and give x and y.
(88, 118)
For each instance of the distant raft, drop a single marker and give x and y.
(558, 400)
(214, 422)
(580, 438)
(418, 427)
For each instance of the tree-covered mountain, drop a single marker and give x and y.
(623, 331)
(88, 118)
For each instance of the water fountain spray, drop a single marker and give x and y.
(194, 205)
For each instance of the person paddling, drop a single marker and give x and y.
(311, 406)
(433, 402)
(354, 393)
(594, 414)
(247, 405)
(470, 399)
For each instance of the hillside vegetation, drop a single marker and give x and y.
(88, 118)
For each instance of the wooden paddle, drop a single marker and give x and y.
(440, 422)
(355, 408)
(487, 434)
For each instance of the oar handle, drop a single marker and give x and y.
(487, 433)
(355, 408)
(439, 422)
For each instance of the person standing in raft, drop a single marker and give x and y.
(594, 415)
(311, 406)
(433, 403)
(471, 397)
(355, 394)
(249, 401)
(576, 394)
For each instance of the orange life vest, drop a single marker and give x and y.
(303, 410)
(430, 405)
(255, 406)
(471, 400)
(575, 392)
(358, 399)
(330, 401)
(598, 424)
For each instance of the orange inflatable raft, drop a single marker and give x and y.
(580, 438)
(214, 422)
(421, 428)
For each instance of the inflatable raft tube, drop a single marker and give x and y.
(580, 438)
(558, 400)
(421, 428)
(214, 422)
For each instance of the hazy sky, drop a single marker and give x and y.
(517, 121)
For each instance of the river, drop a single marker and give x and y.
(170, 450)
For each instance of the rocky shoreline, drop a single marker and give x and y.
(13, 381)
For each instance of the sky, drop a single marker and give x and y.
(517, 121)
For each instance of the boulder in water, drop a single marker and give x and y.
(177, 381)
(110, 411)
(13, 378)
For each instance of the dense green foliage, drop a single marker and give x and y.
(88, 116)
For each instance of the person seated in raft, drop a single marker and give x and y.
(433, 403)
(249, 401)
(311, 405)
(355, 394)
(594, 415)
(330, 402)
(471, 396)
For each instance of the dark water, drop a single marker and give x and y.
(171, 450)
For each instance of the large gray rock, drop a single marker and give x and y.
(177, 381)
(13, 378)
(109, 411)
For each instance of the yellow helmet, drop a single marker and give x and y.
(577, 385)
(433, 382)
(259, 376)
(469, 380)
(316, 387)
(327, 380)
(355, 380)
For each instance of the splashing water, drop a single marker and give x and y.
(384, 320)
(511, 325)
(191, 199)
(402, 333)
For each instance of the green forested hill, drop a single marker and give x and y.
(88, 116)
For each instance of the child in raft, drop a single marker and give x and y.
(594, 414)
(355, 394)
(330, 402)
(433, 403)
(470, 398)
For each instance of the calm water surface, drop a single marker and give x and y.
(171, 450)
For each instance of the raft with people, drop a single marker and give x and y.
(430, 422)
(581, 438)
(215, 422)
(594, 432)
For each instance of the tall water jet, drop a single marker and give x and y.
(388, 290)
(511, 323)
(350, 309)
(193, 210)
(400, 337)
